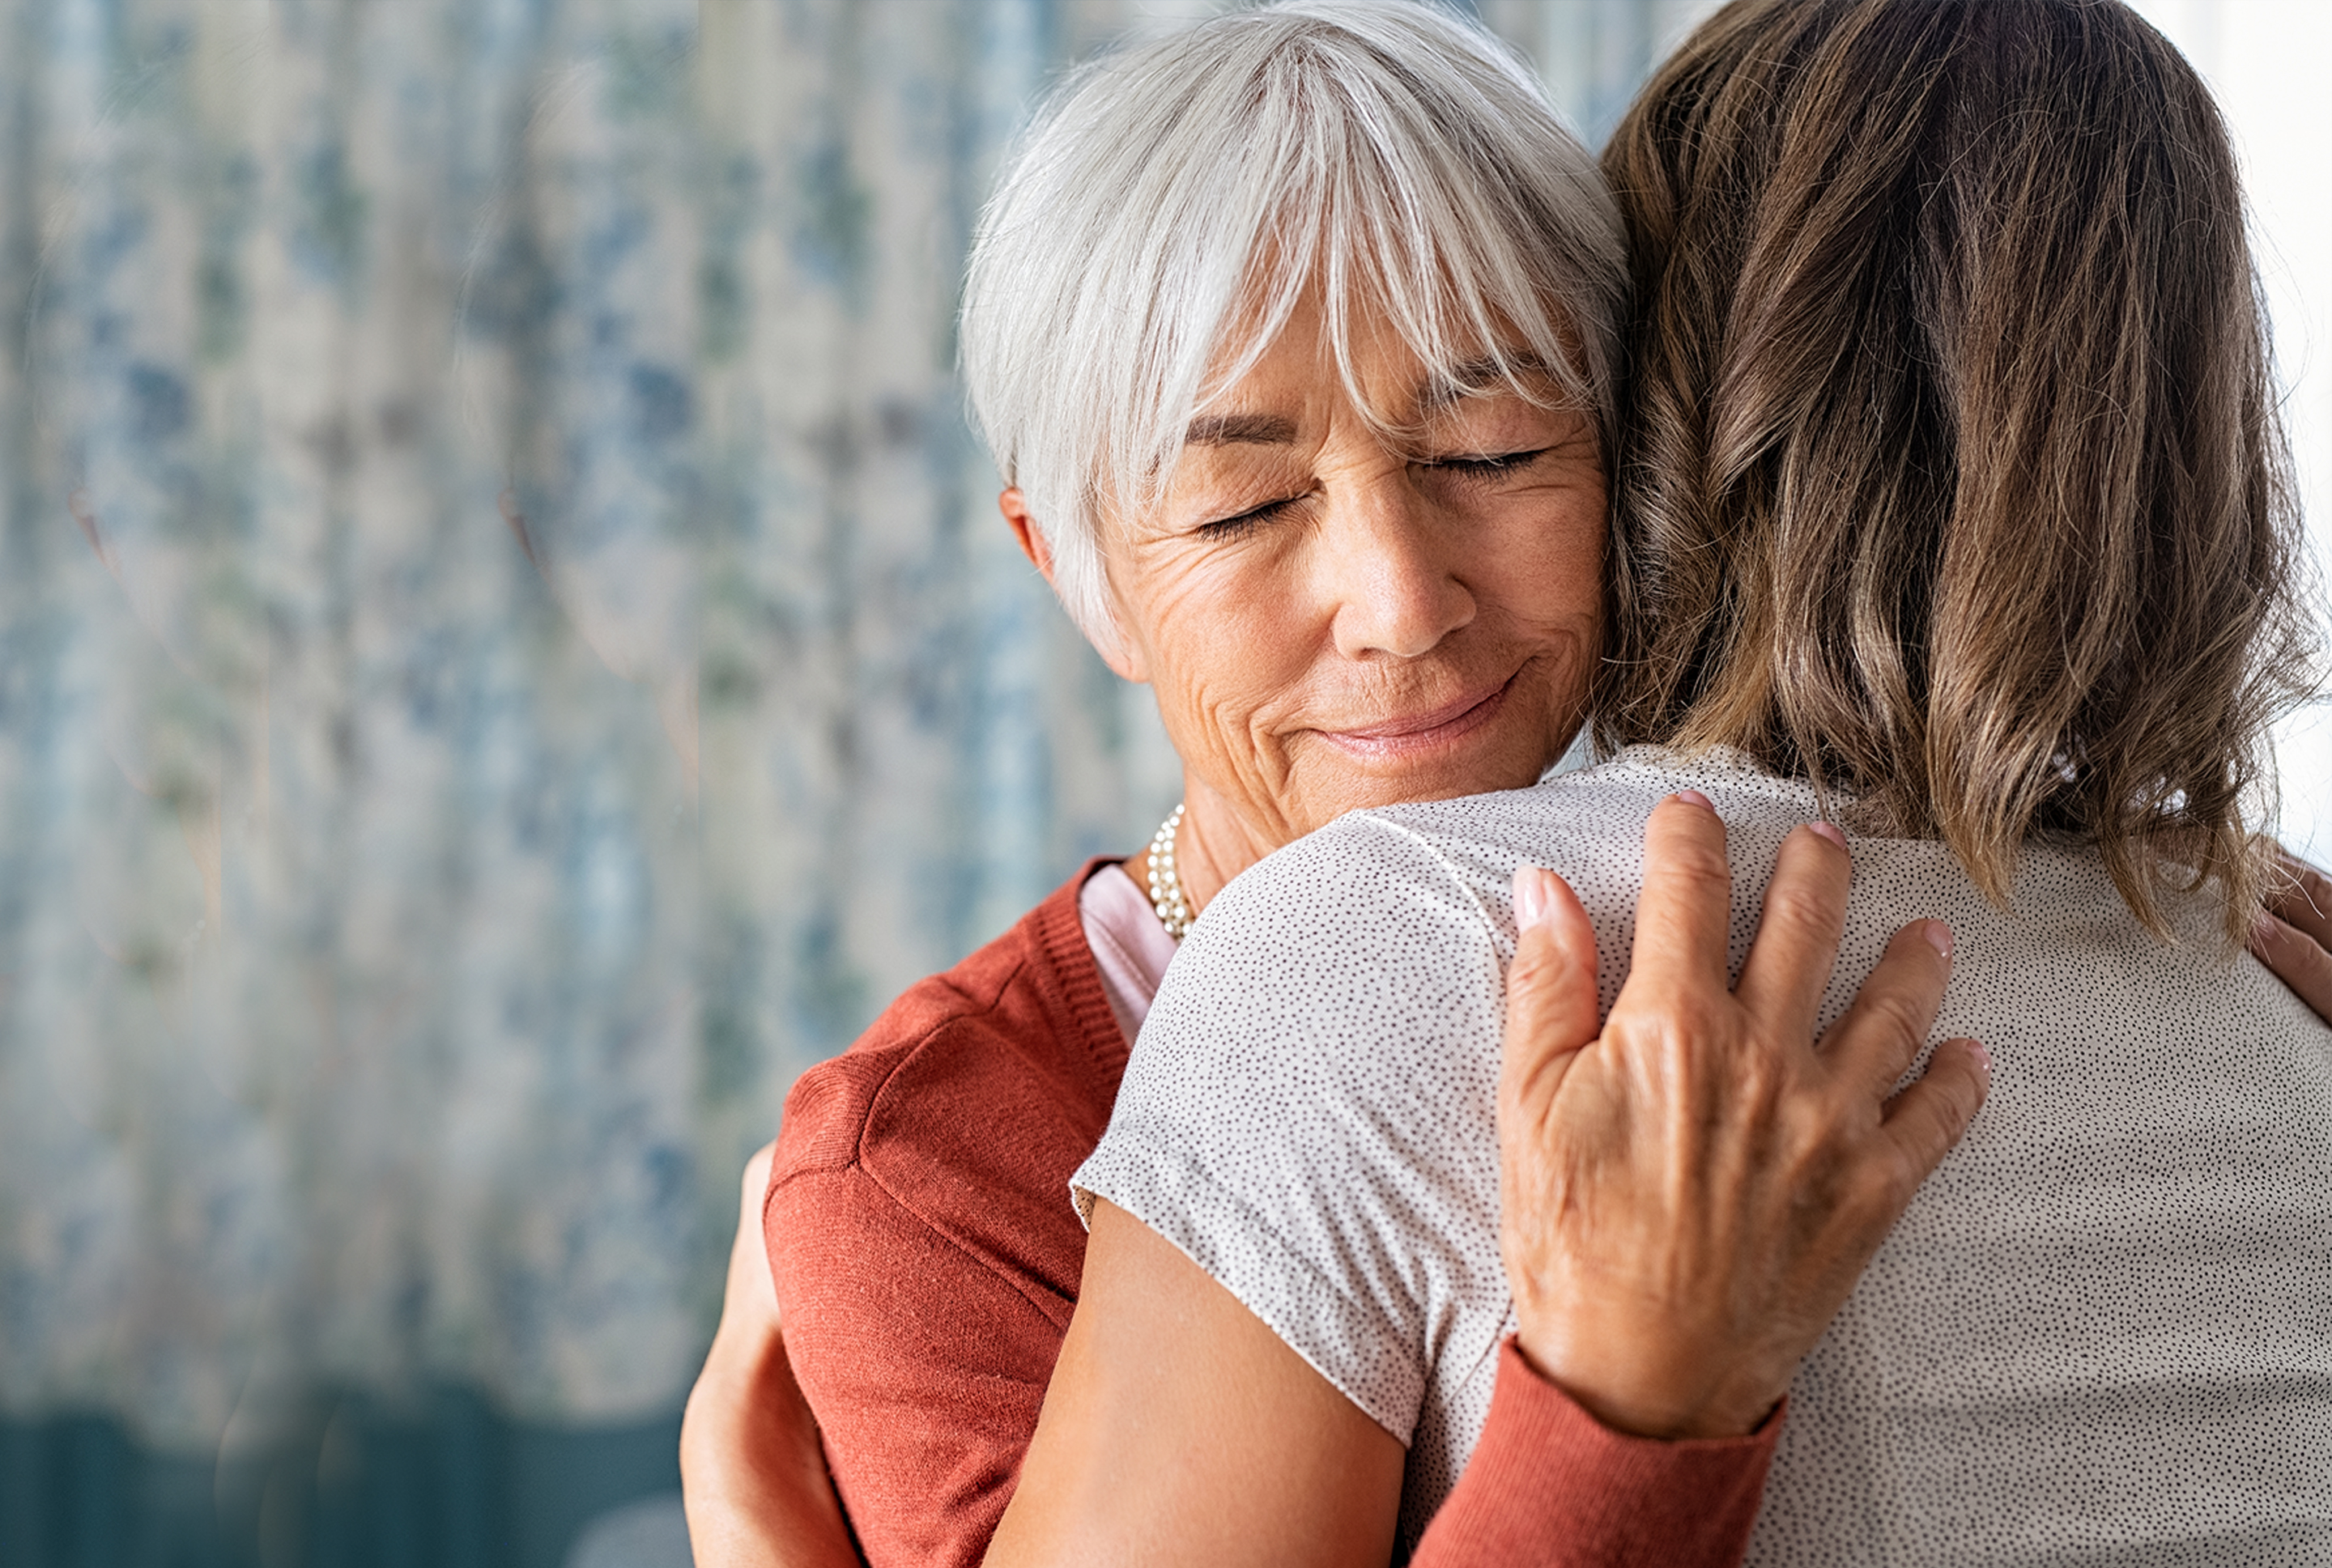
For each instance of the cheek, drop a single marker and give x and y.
(1226, 635)
(1544, 564)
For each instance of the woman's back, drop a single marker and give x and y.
(1947, 473)
(2103, 1329)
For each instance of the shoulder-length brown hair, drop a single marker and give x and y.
(1951, 477)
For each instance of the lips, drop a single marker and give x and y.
(1427, 731)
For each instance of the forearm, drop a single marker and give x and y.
(1550, 1486)
(753, 1477)
(1179, 1429)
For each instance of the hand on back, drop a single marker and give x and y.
(1691, 1188)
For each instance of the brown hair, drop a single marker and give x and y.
(1952, 477)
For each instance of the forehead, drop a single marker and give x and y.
(1303, 338)
(1394, 385)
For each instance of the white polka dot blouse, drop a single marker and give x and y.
(2103, 1333)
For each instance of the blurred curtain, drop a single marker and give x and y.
(509, 655)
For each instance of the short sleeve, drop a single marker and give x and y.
(1309, 1111)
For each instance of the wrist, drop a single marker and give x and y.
(1647, 1392)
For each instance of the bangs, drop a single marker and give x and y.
(1177, 205)
(1367, 216)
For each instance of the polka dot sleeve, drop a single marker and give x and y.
(1241, 1135)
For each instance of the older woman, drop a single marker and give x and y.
(1953, 507)
(1295, 336)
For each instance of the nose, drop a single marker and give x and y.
(1393, 572)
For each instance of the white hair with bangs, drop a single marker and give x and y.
(1173, 202)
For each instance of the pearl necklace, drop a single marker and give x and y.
(1165, 882)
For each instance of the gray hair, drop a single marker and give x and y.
(1161, 218)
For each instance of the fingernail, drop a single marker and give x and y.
(1695, 798)
(1530, 897)
(2262, 929)
(1982, 1058)
(1939, 938)
(1831, 832)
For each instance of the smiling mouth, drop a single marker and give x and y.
(1423, 733)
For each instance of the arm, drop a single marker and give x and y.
(926, 1366)
(1207, 1448)
(753, 1479)
(1550, 1484)
(1178, 1425)
(1671, 1308)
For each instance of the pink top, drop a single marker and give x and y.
(1129, 945)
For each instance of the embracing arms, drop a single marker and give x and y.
(1690, 1191)
(757, 1492)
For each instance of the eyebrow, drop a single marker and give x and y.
(1239, 430)
(1480, 374)
(1465, 378)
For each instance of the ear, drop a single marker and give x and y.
(1109, 641)
(1015, 508)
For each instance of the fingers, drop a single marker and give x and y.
(1789, 964)
(1875, 1043)
(1927, 1121)
(2292, 935)
(1551, 1002)
(2304, 901)
(2298, 959)
(1686, 905)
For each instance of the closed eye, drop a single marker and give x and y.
(1489, 466)
(1232, 528)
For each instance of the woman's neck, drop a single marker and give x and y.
(1212, 846)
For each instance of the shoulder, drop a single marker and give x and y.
(965, 1105)
(1307, 1115)
(1355, 939)
(1310, 1112)
(1026, 1012)
(1420, 878)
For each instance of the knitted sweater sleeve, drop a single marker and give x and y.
(1551, 1487)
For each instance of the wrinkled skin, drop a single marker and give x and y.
(1332, 619)
(1691, 1186)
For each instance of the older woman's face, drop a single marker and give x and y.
(1334, 619)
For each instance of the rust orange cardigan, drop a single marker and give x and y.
(927, 1259)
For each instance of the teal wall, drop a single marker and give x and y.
(449, 1484)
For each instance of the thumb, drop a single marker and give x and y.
(1551, 1011)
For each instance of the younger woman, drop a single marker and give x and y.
(1951, 510)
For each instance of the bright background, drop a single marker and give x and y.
(2266, 60)
(506, 654)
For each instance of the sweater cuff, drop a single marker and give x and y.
(1552, 1485)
